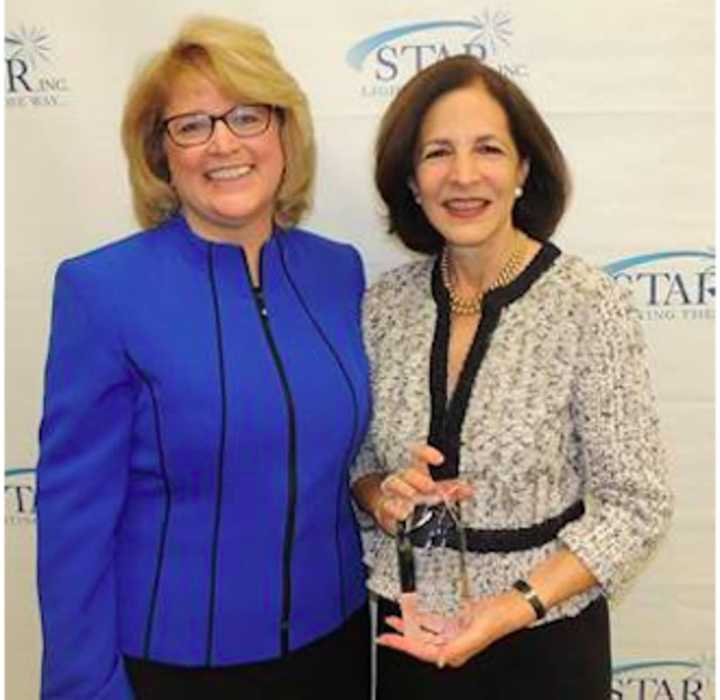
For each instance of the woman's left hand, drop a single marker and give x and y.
(491, 619)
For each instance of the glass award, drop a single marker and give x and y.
(435, 587)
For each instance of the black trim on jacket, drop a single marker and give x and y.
(446, 419)
(168, 505)
(352, 446)
(221, 453)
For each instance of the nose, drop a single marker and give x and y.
(464, 169)
(223, 140)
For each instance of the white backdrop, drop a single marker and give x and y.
(628, 91)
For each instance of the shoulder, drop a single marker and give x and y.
(318, 246)
(113, 259)
(587, 287)
(108, 280)
(325, 260)
(394, 297)
(92, 289)
(601, 309)
(408, 284)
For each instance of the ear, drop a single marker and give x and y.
(413, 186)
(524, 171)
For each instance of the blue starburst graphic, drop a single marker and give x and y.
(30, 45)
(494, 29)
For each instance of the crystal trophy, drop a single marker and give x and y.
(435, 587)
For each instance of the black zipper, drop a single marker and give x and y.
(292, 462)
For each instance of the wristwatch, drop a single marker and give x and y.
(530, 594)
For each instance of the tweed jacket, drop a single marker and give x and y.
(560, 410)
(193, 493)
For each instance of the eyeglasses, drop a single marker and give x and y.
(195, 129)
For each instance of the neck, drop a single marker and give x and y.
(250, 238)
(475, 268)
(252, 255)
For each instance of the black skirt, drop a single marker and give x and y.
(568, 659)
(335, 666)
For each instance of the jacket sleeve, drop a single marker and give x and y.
(82, 479)
(619, 447)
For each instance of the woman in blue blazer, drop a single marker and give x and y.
(206, 391)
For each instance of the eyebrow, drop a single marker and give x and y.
(203, 113)
(484, 138)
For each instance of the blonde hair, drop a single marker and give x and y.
(241, 61)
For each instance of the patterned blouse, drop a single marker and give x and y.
(559, 410)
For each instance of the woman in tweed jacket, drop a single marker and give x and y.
(538, 399)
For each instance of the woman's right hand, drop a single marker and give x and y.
(413, 485)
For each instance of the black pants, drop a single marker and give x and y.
(334, 667)
(564, 660)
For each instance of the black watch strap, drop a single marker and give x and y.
(529, 593)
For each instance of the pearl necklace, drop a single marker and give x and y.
(464, 306)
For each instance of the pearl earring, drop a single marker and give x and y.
(518, 192)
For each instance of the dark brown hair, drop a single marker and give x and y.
(546, 189)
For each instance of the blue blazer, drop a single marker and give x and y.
(193, 499)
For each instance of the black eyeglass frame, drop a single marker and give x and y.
(214, 119)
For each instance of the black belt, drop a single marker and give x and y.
(438, 533)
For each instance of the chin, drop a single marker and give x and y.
(468, 241)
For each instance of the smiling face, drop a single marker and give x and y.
(467, 169)
(227, 186)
